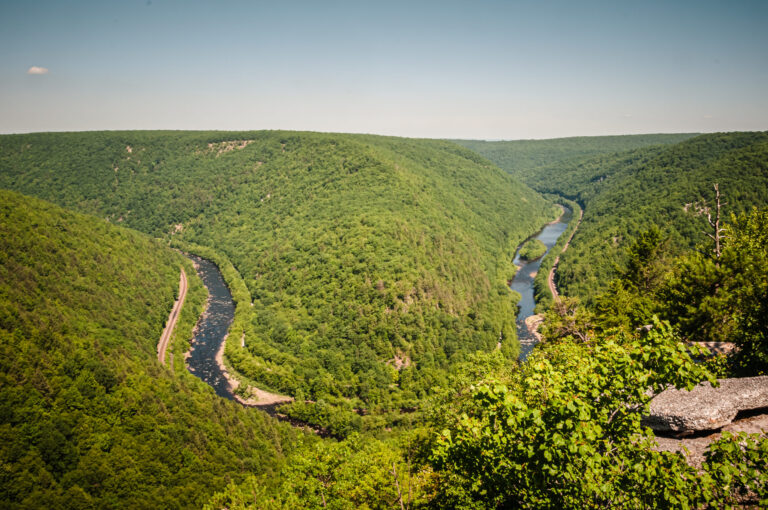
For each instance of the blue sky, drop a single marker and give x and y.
(464, 69)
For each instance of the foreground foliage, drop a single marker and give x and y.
(562, 431)
(709, 298)
(565, 432)
(726, 297)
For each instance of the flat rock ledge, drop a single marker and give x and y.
(694, 448)
(716, 348)
(705, 407)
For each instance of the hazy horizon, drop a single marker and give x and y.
(486, 70)
(545, 138)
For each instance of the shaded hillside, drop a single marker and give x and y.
(374, 263)
(530, 160)
(88, 416)
(624, 194)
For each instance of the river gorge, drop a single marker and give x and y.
(212, 327)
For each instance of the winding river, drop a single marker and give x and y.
(523, 280)
(211, 328)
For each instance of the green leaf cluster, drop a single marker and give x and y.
(565, 432)
(738, 464)
(707, 298)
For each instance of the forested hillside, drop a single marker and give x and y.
(530, 159)
(565, 429)
(374, 263)
(670, 186)
(88, 417)
(376, 267)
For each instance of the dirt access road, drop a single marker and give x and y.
(162, 345)
(551, 277)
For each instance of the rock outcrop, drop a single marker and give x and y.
(716, 348)
(533, 323)
(705, 407)
(695, 447)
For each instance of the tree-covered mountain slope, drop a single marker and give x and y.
(374, 263)
(670, 186)
(88, 417)
(530, 160)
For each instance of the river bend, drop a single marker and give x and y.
(523, 280)
(211, 329)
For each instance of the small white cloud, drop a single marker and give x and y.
(37, 70)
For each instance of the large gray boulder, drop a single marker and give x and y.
(705, 407)
(694, 447)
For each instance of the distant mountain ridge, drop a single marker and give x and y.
(526, 158)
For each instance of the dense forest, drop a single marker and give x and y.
(370, 277)
(527, 159)
(624, 193)
(564, 429)
(89, 418)
(373, 263)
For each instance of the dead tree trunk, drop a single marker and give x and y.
(717, 236)
(397, 486)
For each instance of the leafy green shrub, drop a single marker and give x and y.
(738, 465)
(565, 430)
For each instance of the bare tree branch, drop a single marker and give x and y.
(397, 485)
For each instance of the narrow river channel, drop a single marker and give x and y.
(523, 281)
(211, 328)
